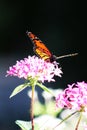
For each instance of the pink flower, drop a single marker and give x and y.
(35, 67)
(73, 97)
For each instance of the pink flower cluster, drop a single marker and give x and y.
(35, 67)
(73, 97)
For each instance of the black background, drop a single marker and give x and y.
(61, 25)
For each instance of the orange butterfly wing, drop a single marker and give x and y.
(39, 47)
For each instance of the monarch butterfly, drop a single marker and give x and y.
(42, 51)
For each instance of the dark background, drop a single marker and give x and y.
(61, 25)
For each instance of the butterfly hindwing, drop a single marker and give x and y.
(41, 54)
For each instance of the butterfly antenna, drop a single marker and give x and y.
(69, 55)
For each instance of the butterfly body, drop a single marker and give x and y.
(42, 51)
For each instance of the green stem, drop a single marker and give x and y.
(78, 121)
(32, 107)
(66, 119)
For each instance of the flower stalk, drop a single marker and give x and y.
(78, 121)
(32, 107)
(66, 119)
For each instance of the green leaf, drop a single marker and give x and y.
(26, 125)
(19, 89)
(45, 88)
